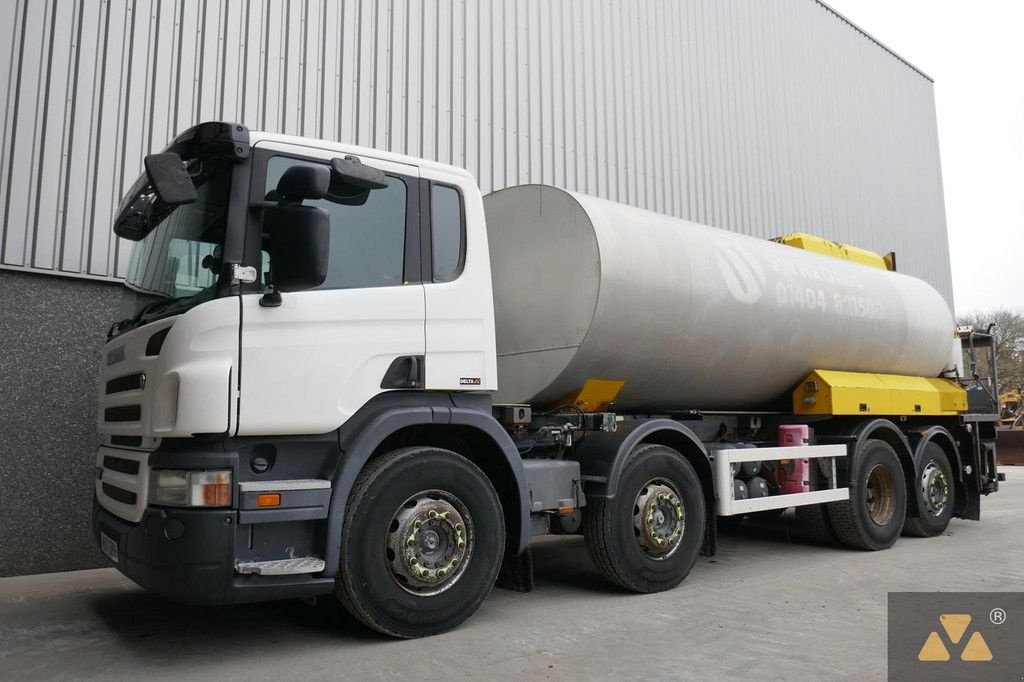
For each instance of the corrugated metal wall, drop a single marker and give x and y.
(758, 117)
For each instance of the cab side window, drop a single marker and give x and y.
(447, 232)
(367, 229)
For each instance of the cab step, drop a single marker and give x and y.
(295, 566)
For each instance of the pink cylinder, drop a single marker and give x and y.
(794, 434)
(794, 475)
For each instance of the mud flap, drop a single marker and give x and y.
(710, 544)
(516, 572)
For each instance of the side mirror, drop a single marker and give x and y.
(133, 221)
(170, 180)
(299, 242)
(351, 171)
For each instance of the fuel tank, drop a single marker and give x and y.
(688, 316)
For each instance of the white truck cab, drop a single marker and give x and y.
(264, 310)
(407, 277)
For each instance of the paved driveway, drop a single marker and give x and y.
(768, 605)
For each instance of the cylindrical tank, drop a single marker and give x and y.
(688, 316)
(757, 487)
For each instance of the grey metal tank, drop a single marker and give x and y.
(688, 316)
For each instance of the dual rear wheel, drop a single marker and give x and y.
(934, 487)
(873, 516)
(876, 512)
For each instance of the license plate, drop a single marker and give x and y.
(109, 546)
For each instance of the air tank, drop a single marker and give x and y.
(688, 316)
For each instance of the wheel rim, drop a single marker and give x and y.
(659, 519)
(934, 489)
(429, 542)
(880, 495)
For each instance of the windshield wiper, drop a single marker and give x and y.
(162, 304)
(137, 319)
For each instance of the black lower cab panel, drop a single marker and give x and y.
(188, 556)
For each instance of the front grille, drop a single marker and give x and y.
(156, 342)
(121, 481)
(123, 416)
(123, 413)
(119, 494)
(124, 385)
(124, 466)
(131, 382)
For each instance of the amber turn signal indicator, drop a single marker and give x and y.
(216, 494)
(268, 500)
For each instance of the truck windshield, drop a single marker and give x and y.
(176, 266)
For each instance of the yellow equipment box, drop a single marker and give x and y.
(846, 393)
(826, 247)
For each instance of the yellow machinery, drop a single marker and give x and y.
(849, 393)
(826, 247)
(1011, 410)
(1011, 428)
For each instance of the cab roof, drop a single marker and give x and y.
(255, 137)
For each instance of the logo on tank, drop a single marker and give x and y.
(742, 274)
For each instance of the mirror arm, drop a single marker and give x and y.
(271, 298)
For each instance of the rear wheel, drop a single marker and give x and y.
(647, 538)
(873, 516)
(422, 542)
(814, 522)
(933, 487)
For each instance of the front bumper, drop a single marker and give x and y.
(188, 556)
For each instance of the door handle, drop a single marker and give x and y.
(406, 371)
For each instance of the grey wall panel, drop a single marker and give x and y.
(48, 419)
(757, 117)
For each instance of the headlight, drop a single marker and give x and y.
(172, 488)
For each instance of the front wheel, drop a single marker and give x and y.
(934, 490)
(647, 538)
(422, 542)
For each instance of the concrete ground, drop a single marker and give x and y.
(768, 605)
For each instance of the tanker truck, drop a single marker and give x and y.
(343, 374)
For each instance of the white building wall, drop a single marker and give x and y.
(758, 117)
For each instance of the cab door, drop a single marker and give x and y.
(308, 364)
(457, 280)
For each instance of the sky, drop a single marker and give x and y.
(974, 51)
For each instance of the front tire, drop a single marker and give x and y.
(422, 542)
(647, 538)
(873, 516)
(934, 489)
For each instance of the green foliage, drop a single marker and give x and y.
(1009, 333)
